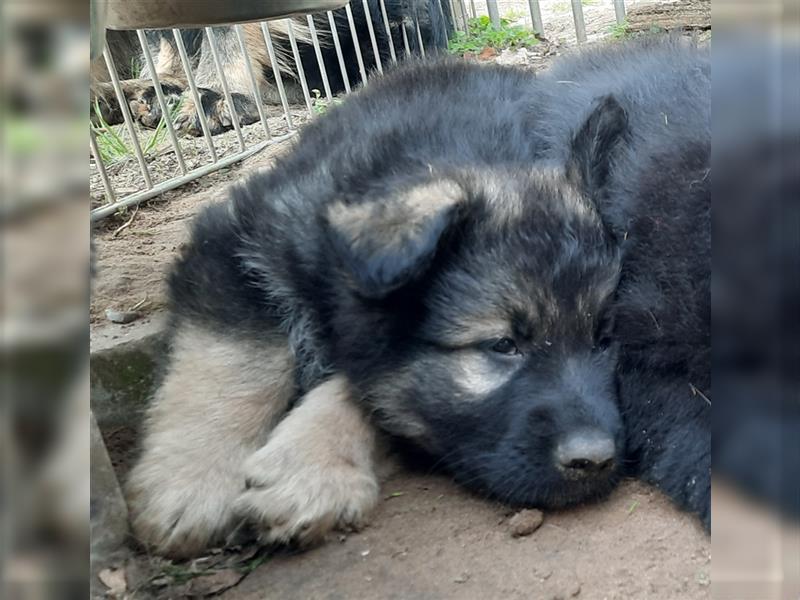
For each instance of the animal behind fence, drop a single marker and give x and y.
(329, 52)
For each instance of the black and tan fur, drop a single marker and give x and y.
(507, 272)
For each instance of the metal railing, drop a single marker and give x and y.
(215, 158)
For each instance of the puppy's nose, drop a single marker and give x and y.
(586, 452)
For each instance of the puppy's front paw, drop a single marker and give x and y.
(178, 511)
(297, 495)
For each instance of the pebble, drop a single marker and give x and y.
(122, 316)
(463, 578)
(525, 522)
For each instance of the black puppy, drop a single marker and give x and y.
(510, 273)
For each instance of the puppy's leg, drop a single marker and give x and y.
(214, 104)
(217, 403)
(140, 91)
(316, 472)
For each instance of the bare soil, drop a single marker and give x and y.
(428, 538)
(437, 541)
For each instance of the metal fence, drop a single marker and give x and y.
(261, 135)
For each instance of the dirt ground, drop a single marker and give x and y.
(428, 538)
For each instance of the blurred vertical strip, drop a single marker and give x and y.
(44, 417)
(756, 299)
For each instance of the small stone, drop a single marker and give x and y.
(525, 522)
(365, 553)
(575, 590)
(463, 578)
(122, 316)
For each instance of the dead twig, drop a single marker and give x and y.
(126, 224)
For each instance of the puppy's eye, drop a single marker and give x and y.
(603, 344)
(505, 346)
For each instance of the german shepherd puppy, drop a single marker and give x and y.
(509, 272)
(402, 15)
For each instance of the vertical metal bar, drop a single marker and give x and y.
(472, 9)
(619, 11)
(198, 104)
(494, 12)
(212, 44)
(101, 168)
(580, 25)
(318, 51)
(441, 11)
(162, 101)
(126, 115)
(338, 47)
(452, 13)
(356, 43)
(276, 71)
(253, 82)
(464, 15)
(375, 51)
(301, 74)
(388, 31)
(405, 38)
(536, 16)
(419, 37)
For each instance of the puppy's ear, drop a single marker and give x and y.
(386, 243)
(595, 143)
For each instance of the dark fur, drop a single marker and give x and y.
(541, 198)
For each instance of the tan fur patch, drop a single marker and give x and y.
(216, 406)
(393, 220)
(477, 375)
(469, 329)
(168, 61)
(316, 472)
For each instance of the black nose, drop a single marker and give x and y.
(586, 452)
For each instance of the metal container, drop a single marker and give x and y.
(163, 14)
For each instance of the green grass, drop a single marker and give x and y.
(321, 105)
(619, 31)
(113, 143)
(109, 143)
(136, 68)
(482, 35)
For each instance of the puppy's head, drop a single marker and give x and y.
(475, 319)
